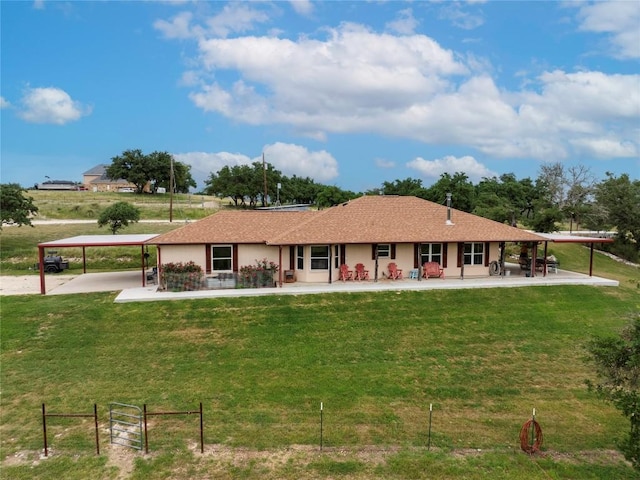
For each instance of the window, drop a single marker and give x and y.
(431, 252)
(221, 258)
(384, 250)
(320, 257)
(336, 258)
(474, 253)
(300, 259)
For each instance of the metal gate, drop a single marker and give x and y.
(125, 425)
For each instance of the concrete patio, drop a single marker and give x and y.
(515, 278)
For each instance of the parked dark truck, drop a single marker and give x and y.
(53, 263)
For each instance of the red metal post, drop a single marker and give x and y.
(43, 288)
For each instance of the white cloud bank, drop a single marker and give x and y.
(620, 20)
(355, 80)
(50, 105)
(290, 159)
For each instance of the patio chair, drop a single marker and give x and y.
(395, 273)
(361, 272)
(345, 273)
(432, 270)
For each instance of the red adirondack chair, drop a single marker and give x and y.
(361, 272)
(345, 273)
(395, 273)
(432, 269)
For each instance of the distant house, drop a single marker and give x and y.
(310, 246)
(96, 180)
(58, 185)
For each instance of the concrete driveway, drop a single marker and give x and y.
(99, 282)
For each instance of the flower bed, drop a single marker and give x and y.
(180, 277)
(260, 275)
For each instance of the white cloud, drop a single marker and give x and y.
(404, 24)
(235, 18)
(459, 17)
(38, 5)
(51, 105)
(297, 160)
(433, 169)
(383, 163)
(606, 148)
(178, 27)
(619, 19)
(355, 80)
(4, 103)
(288, 158)
(302, 7)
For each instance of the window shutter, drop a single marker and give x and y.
(444, 255)
(235, 257)
(416, 253)
(393, 251)
(487, 245)
(292, 257)
(460, 254)
(374, 247)
(207, 258)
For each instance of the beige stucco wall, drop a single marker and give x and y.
(361, 253)
(183, 253)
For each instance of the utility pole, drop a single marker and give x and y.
(171, 191)
(264, 174)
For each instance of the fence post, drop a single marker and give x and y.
(321, 426)
(146, 442)
(95, 419)
(44, 430)
(201, 428)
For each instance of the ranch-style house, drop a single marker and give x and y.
(310, 246)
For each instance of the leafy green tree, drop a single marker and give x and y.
(617, 362)
(406, 187)
(503, 199)
(299, 190)
(245, 183)
(621, 199)
(118, 216)
(14, 206)
(462, 191)
(153, 169)
(133, 166)
(332, 195)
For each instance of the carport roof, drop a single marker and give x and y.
(99, 241)
(564, 238)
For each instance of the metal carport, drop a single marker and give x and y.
(85, 241)
(562, 238)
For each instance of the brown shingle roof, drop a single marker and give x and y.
(368, 219)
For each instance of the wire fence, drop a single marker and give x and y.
(261, 429)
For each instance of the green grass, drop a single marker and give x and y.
(261, 367)
(88, 205)
(19, 247)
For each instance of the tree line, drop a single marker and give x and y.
(558, 195)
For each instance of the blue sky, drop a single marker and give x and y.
(351, 94)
